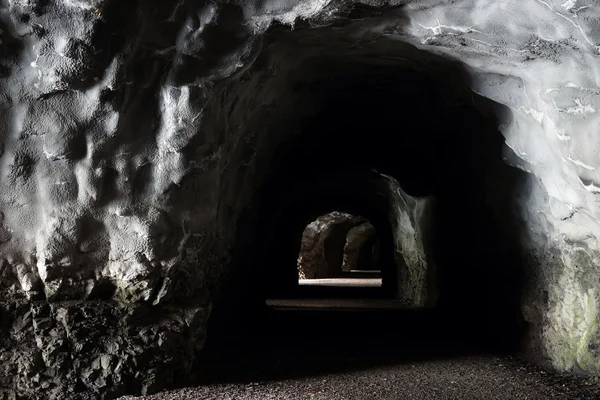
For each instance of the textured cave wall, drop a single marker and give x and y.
(133, 134)
(357, 250)
(412, 220)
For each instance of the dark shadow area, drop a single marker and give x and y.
(382, 355)
(291, 344)
(425, 128)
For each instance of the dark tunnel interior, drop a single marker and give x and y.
(425, 128)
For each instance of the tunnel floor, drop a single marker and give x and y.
(474, 377)
(308, 354)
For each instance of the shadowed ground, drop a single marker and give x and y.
(383, 354)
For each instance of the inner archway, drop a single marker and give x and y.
(405, 144)
(339, 249)
(307, 244)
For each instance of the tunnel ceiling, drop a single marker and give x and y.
(141, 143)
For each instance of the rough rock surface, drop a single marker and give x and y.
(66, 348)
(412, 219)
(356, 241)
(322, 247)
(129, 146)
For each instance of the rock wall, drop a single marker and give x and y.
(413, 220)
(134, 133)
(356, 251)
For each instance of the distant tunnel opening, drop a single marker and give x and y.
(339, 249)
(335, 239)
(407, 146)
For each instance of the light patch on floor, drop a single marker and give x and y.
(342, 282)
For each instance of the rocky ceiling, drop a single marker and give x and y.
(136, 135)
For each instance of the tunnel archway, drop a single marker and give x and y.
(323, 245)
(337, 245)
(149, 149)
(372, 135)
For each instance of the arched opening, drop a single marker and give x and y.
(339, 249)
(405, 144)
(150, 148)
(347, 199)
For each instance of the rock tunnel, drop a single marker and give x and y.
(336, 244)
(405, 143)
(161, 160)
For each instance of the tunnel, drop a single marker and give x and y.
(408, 146)
(338, 245)
(276, 191)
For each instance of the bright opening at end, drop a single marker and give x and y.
(339, 250)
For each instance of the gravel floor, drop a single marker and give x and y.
(474, 377)
(383, 355)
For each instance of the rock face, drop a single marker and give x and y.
(68, 348)
(412, 221)
(323, 243)
(359, 242)
(135, 136)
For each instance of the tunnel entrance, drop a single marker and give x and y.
(405, 144)
(343, 260)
